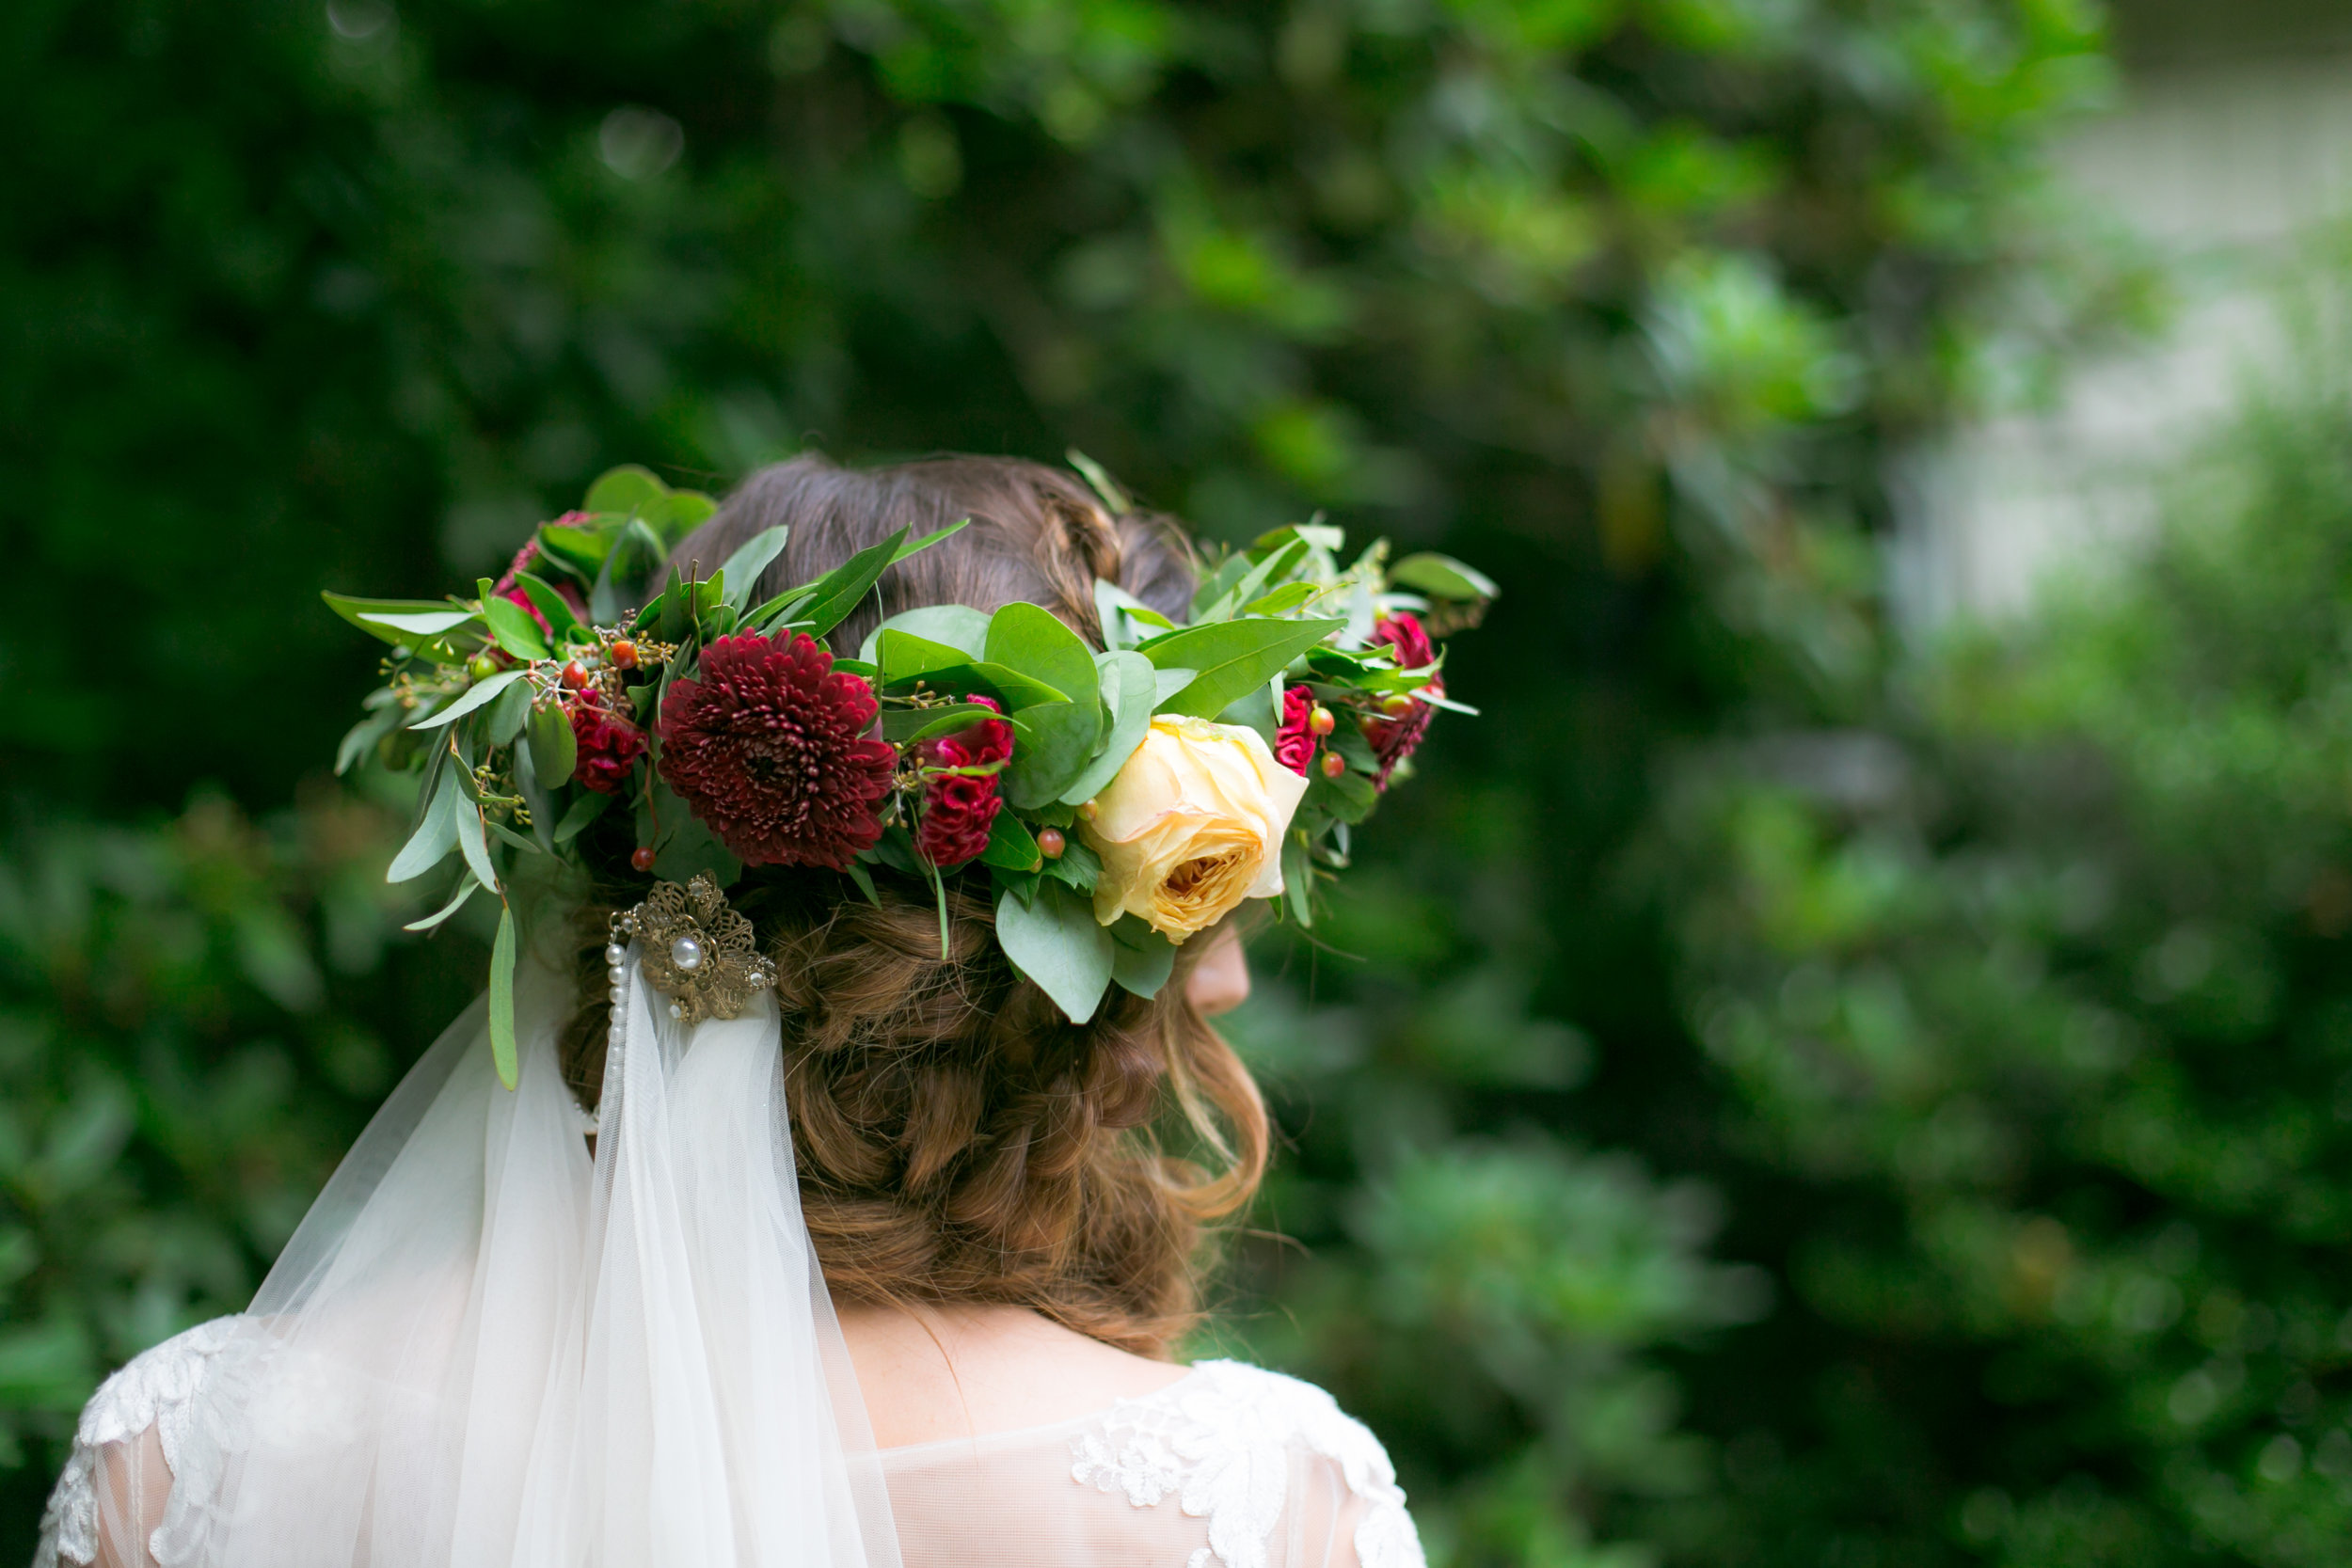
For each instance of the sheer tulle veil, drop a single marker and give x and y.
(483, 1348)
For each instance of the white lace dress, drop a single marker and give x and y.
(1229, 1467)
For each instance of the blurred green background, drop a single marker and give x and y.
(1784, 1091)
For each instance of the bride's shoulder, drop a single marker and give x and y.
(1274, 1405)
(160, 1380)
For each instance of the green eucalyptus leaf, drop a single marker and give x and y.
(1011, 687)
(585, 548)
(627, 489)
(1253, 582)
(1444, 577)
(1055, 941)
(1290, 596)
(502, 1051)
(1032, 640)
(905, 657)
(954, 625)
(905, 726)
(916, 547)
(1230, 658)
(410, 625)
(554, 749)
(1298, 877)
(535, 796)
(542, 597)
(1099, 479)
(362, 738)
(1130, 690)
(436, 833)
(474, 844)
(479, 695)
(1141, 959)
(1052, 744)
(1011, 845)
(839, 591)
(1125, 619)
(1078, 866)
(508, 713)
(585, 808)
(467, 888)
(1219, 582)
(513, 628)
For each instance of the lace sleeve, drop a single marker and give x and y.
(1279, 1475)
(111, 1505)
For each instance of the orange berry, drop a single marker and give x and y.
(624, 653)
(1051, 844)
(1396, 704)
(575, 675)
(1320, 721)
(641, 857)
(1333, 765)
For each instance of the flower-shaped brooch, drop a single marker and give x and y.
(695, 950)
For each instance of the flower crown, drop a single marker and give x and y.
(1117, 802)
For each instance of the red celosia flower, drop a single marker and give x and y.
(1294, 742)
(508, 589)
(609, 744)
(768, 748)
(959, 809)
(1394, 740)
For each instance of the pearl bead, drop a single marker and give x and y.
(687, 954)
(618, 996)
(614, 953)
(615, 974)
(676, 1011)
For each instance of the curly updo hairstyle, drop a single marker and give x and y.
(957, 1139)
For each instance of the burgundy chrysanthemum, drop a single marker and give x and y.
(959, 809)
(609, 744)
(1394, 740)
(768, 748)
(508, 589)
(1294, 742)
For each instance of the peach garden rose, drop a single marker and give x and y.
(1191, 826)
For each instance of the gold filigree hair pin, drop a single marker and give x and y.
(695, 950)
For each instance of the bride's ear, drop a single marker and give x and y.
(1220, 981)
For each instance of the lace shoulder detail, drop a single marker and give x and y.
(1220, 1442)
(158, 1387)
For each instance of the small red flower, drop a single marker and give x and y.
(609, 744)
(959, 809)
(508, 589)
(768, 747)
(1394, 740)
(1294, 742)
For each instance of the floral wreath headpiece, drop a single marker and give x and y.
(1118, 803)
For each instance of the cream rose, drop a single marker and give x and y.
(1191, 826)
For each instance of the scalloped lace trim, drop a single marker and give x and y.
(158, 1387)
(1220, 1441)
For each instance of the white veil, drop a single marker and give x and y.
(482, 1350)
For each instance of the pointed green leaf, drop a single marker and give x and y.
(554, 749)
(626, 489)
(408, 627)
(905, 657)
(1141, 959)
(436, 834)
(1129, 687)
(1442, 575)
(839, 591)
(542, 594)
(474, 844)
(1100, 481)
(508, 713)
(1231, 659)
(1125, 620)
(954, 625)
(1055, 941)
(467, 888)
(916, 547)
(478, 695)
(502, 1001)
(1011, 845)
(743, 567)
(585, 808)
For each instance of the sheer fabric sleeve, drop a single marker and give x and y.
(112, 1504)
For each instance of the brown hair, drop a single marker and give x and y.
(958, 1139)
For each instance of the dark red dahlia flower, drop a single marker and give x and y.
(609, 744)
(508, 589)
(959, 809)
(768, 748)
(1294, 742)
(1393, 740)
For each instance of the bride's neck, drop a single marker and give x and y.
(936, 1372)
